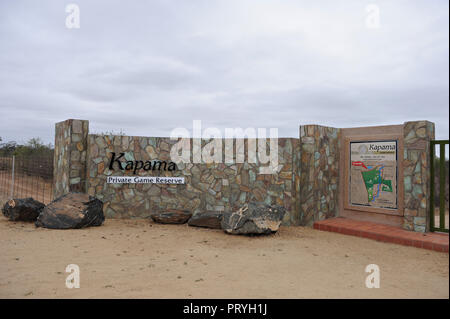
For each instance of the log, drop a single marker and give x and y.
(73, 210)
(254, 219)
(208, 219)
(22, 209)
(171, 216)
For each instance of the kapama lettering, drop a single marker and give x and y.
(135, 166)
(378, 148)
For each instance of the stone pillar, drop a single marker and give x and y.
(69, 169)
(318, 172)
(416, 174)
(295, 189)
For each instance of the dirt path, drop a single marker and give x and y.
(138, 259)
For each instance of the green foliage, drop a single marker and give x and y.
(34, 147)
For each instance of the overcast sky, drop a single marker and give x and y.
(147, 67)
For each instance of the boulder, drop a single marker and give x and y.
(73, 210)
(171, 216)
(209, 219)
(23, 209)
(253, 219)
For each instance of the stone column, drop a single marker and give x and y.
(69, 169)
(318, 172)
(416, 174)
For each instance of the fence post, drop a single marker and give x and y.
(12, 179)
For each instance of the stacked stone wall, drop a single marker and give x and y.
(306, 182)
(416, 174)
(69, 169)
(318, 172)
(215, 186)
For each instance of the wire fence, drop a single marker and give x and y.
(26, 177)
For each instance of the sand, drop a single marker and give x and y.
(140, 259)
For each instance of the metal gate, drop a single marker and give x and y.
(439, 187)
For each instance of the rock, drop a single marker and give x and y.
(171, 216)
(210, 219)
(73, 210)
(23, 209)
(253, 219)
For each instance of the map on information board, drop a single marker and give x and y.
(373, 174)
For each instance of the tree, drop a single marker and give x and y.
(8, 148)
(34, 147)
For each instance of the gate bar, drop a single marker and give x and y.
(432, 186)
(442, 174)
(442, 179)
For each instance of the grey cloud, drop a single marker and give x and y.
(148, 67)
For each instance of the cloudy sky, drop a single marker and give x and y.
(147, 67)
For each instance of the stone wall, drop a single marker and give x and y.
(318, 172)
(307, 183)
(69, 169)
(416, 174)
(216, 186)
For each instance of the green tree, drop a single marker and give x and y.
(34, 147)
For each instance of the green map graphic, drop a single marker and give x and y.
(374, 182)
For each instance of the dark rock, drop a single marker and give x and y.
(171, 216)
(23, 209)
(254, 219)
(73, 210)
(210, 219)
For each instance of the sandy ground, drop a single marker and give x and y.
(140, 259)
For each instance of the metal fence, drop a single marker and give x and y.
(26, 177)
(439, 220)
